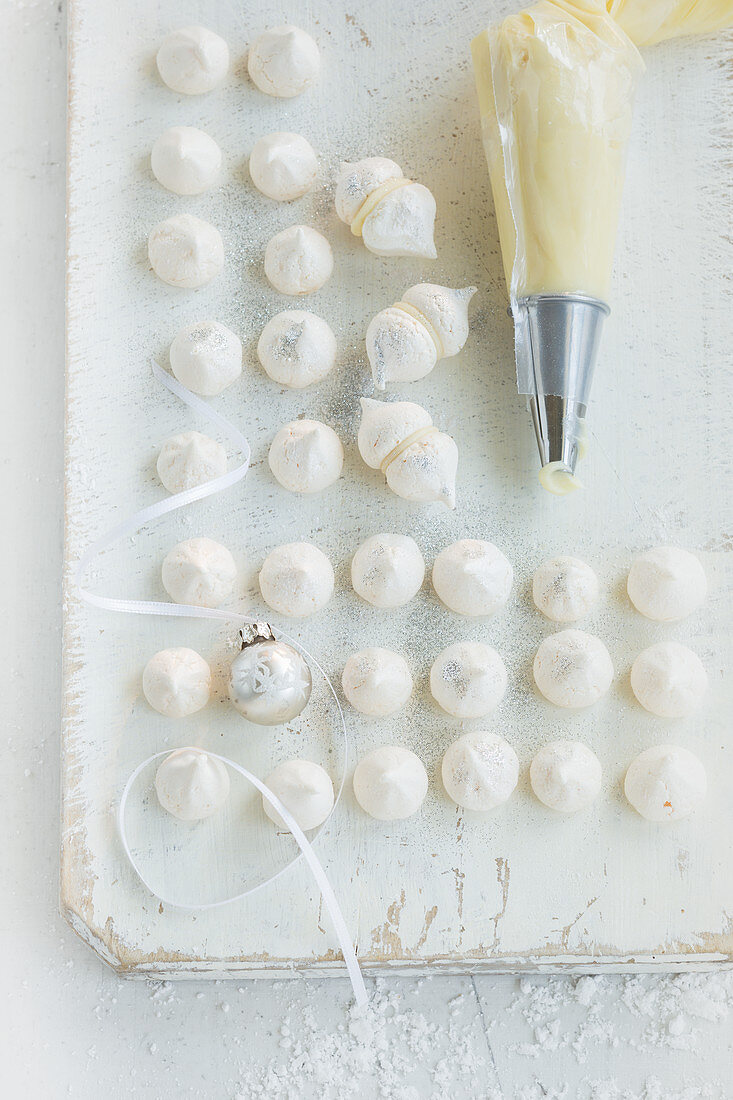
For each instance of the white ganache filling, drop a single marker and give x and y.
(394, 216)
(418, 461)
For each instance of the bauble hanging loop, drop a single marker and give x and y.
(269, 682)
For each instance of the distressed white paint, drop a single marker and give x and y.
(442, 890)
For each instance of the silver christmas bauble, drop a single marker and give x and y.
(269, 682)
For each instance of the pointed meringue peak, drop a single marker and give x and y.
(357, 180)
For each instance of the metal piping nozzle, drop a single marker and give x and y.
(556, 343)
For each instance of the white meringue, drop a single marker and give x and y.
(284, 61)
(669, 680)
(200, 572)
(304, 789)
(298, 260)
(468, 679)
(419, 462)
(480, 770)
(190, 459)
(394, 216)
(283, 166)
(193, 60)
(472, 577)
(206, 357)
(192, 785)
(297, 348)
(296, 579)
(405, 341)
(306, 456)
(665, 783)
(186, 160)
(377, 681)
(177, 682)
(387, 570)
(185, 251)
(572, 669)
(566, 776)
(390, 783)
(667, 583)
(564, 589)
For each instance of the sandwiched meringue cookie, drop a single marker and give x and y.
(304, 789)
(192, 785)
(667, 584)
(199, 572)
(193, 60)
(566, 776)
(283, 166)
(190, 459)
(468, 679)
(573, 669)
(418, 461)
(306, 456)
(177, 682)
(185, 251)
(669, 680)
(186, 160)
(297, 348)
(665, 783)
(390, 783)
(405, 341)
(296, 579)
(284, 61)
(564, 589)
(480, 770)
(376, 681)
(206, 357)
(387, 570)
(298, 260)
(472, 577)
(392, 215)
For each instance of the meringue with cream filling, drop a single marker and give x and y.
(418, 461)
(406, 340)
(394, 216)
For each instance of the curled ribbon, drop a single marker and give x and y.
(160, 607)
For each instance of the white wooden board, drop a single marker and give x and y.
(519, 888)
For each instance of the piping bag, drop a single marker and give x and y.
(650, 21)
(556, 84)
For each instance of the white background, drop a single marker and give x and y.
(70, 1027)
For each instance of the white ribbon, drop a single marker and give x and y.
(159, 607)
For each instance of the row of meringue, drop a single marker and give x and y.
(281, 62)
(480, 772)
(467, 679)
